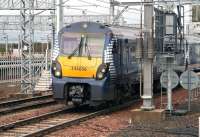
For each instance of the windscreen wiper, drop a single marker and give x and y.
(88, 50)
(77, 49)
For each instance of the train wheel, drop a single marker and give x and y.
(76, 104)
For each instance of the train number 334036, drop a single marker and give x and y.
(79, 68)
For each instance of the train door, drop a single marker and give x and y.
(126, 56)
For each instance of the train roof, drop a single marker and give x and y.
(126, 32)
(123, 32)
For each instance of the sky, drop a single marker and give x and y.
(131, 15)
(82, 7)
(93, 7)
(97, 7)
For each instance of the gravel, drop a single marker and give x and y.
(118, 123)
(28, 114)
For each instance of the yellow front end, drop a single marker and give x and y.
(79, 67)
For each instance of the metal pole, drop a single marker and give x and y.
(59, 15)
(59, 25)
(6, 44)
(141, 46)
(161, 91)
(148, 57)
(19, 48)
(189, 89)
(52, 41)
(112, 11)
(31, 35)
(169, 92)
(47, 42)
(47, 49)
(46, 60)
(190, 18)
(53, 28)
(27, 11)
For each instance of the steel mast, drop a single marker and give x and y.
(59, 25)
(27, 34)
(148, 51)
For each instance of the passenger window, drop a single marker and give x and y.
(126, 41)
(132, 55)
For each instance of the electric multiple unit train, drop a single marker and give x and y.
(96, 64)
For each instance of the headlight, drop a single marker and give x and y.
(57, 73)
(101, 72)
(56, 69)
(100, 75)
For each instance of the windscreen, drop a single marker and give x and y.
(82, 44)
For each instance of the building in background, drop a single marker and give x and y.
(196, 19)
(196, 13)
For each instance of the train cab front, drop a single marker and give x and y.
(79, 74)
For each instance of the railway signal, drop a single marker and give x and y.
(189, 80)
(169, 76)
(169, 80)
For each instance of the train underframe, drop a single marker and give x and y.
(95, 92)
(90, 91)
(82, 91)
(77, 93)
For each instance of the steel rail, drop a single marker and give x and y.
(35, 119)
(20, 101)
(75, 121)
(26, 106)
(14, 128)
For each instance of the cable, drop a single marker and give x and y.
(94, 3)
(69, 7)
(55, 3)
(91, 4)
(80, 9)
(128, 10)
(135, 9)
(82, 5)
(48, 9)
(103, 1)
(83, 10)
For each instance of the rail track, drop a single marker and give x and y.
(50, 122)
(24, 104)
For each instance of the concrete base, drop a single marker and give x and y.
(156, 115)
(147, 103)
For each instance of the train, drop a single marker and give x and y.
(96, 64)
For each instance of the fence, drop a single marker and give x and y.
(10, 67)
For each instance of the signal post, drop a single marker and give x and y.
(148, 55)
(147, 112)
